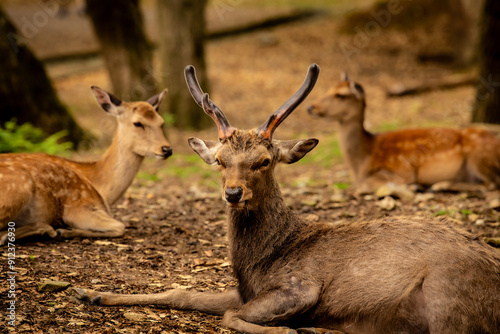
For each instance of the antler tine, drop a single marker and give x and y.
(266, 130)
(193, 85)
(210, 108)
(225, 130)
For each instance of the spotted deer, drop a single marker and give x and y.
(411, 156)
(395, 275)
(49, 195)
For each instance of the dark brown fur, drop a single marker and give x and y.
(396, 275)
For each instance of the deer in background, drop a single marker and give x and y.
(418, 156)
(48, 195)
(386, 276)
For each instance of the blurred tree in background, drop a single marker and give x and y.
(487, 105)
(441, 31)
(182, 33)
(26, 92)
(119, 27)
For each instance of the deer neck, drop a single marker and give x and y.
(256, 235)
(355, 142)
(115, 171)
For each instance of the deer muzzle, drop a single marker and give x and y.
(166, 151)
(233, 195)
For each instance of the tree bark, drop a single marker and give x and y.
(182, 26)
(26, 92)
(119, 27)
(487, 105)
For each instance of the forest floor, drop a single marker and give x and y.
(175, 217)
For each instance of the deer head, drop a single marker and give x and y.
(341, 103)
(247, 158)
(138, 123)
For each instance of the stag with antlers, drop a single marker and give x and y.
(396, 275)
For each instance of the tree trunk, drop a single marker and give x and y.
(119, 27)
(487, 105)
(26, 92)
(182, 27)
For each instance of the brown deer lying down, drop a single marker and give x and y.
(41, 192)
(418, 156)
(406, 275)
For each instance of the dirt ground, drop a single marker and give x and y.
(176, 235)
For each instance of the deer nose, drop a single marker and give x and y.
(167, 151)
(233, 195)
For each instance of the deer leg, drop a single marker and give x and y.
(484, 164)
(90, 222)
(28, 231)
(272, 307)
(384, 178)
(207, 302)
(458, 187)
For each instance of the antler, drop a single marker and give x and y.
(210, 108)
(266, 130)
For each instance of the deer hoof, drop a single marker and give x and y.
(96, 300)
(59, 235)
(88, 296)
(80, 294)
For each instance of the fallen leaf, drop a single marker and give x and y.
(209, 253)
(134, 316)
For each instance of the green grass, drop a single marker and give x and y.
(459, 214)
(326, 154)
(142, 175)
(191, 166)
(387, 126)
(440, 213)
(342, 186)
(466, 212)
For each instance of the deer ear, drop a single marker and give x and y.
(291, 151)
(357, 90)
(156, 100)
(206, 149)
(344, 77)
(108, 102)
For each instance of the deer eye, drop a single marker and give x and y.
(138, 125)
(218, 162)
(265, 163)
(340, 96)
